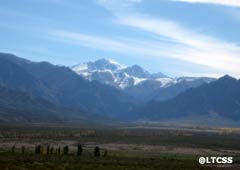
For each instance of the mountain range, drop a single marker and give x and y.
(104, 90)
(218, 99)
(63, 87)
(136, 81)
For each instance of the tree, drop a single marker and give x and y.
(48, 149)
(52, 150)
(23, 149)
(59, 150)
(13, 149)
(38, 149)
(96, 151)
(79, 150)
(65, 150)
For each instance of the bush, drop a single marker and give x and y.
(13, 149)
(79, 150)
(23, 149)
(65, 150)
(48, 150)
(38, 149)
(59, 150)
(96, 151)
(52, 150)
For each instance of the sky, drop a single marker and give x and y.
(175, 37)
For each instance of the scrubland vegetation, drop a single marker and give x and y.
(73, 148)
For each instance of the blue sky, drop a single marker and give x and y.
(176, 37)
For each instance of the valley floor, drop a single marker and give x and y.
(128, 148)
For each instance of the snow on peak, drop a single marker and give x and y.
(101, 64)
(137, 71)
(105, 64)
(166, 81)
(80, 67)
(116, 63)
(110, 72)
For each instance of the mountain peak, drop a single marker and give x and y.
(104, 64)
(98, 65)
(227, 78)
(137, 71)
(110, 72)
(137, 66)
(107, 61)
(158, 75)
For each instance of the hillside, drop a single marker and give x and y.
(61, 86)
(221, 97)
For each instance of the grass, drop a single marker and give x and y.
(163, 137)
(123, 161)
(132, 157)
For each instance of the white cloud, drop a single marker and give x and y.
(170, 40)
(104, 2)
(119, 6)
(193, 46)
(153, 49)
(233, 3)
(122, 45)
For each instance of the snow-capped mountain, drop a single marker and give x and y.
(136, 81)
(112, 73)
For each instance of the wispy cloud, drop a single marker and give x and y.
(22, 15)
(121, 45)
(170, 40)
(233, 3)
(197, 47)
(119, 6)
(192, 46)
(151, 49)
